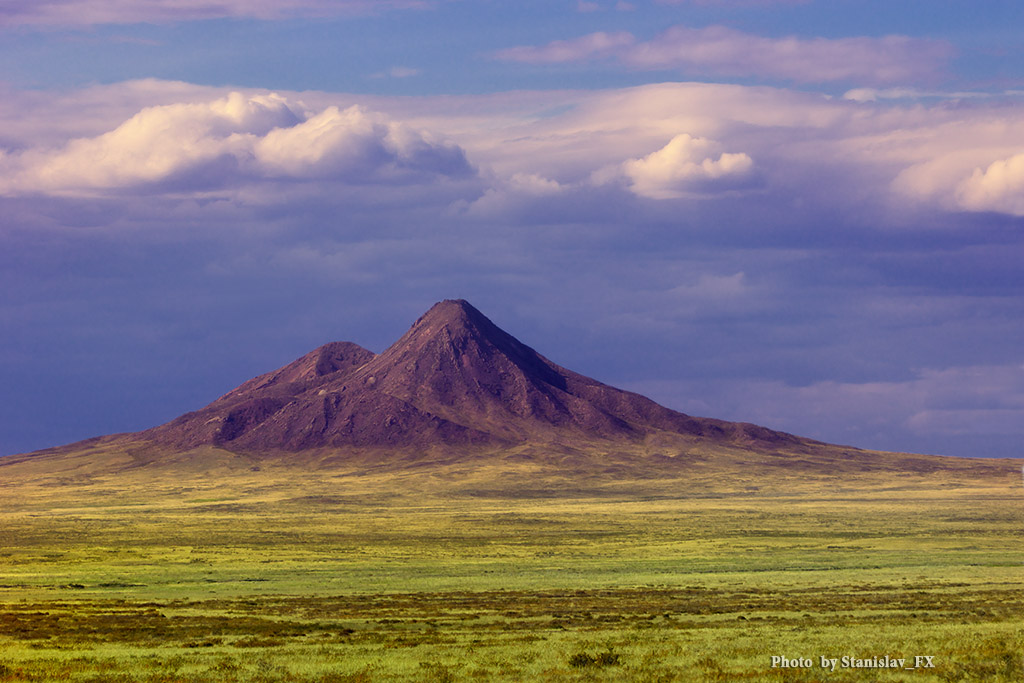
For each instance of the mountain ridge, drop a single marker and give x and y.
(453, 379)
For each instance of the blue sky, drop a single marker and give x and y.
(806, 215)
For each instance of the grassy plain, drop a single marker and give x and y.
(243, 571)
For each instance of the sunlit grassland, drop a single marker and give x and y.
(278, 574)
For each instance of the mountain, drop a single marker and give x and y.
(454, 379)
(458, 406)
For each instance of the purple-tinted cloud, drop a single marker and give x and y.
(719, 50)
(89, 12)
(652, 143)
(952, 402)
(734, 3)
(397, 72)
(589, 47)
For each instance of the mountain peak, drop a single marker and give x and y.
(451, 309)
(455, 341)
(452, 314)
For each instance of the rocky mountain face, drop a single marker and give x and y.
(454, 378)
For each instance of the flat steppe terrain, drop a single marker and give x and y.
(218, 567)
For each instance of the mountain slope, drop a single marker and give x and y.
(454, 378)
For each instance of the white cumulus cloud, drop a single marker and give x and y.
(686, 165)
(1000, 187)
(233, 140)
(355, 145)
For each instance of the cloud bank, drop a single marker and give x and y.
(723, 51)
(658, 144)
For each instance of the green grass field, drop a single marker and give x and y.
(279, 574)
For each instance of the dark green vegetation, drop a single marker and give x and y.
(256, 571)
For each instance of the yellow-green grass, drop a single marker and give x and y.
(261, 571)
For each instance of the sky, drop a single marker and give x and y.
(806, 214)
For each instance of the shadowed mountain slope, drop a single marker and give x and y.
(454, 378)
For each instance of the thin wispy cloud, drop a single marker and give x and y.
(92, 12)
(734, 3)
(397, 72)
(723, 51)
(876, 94)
